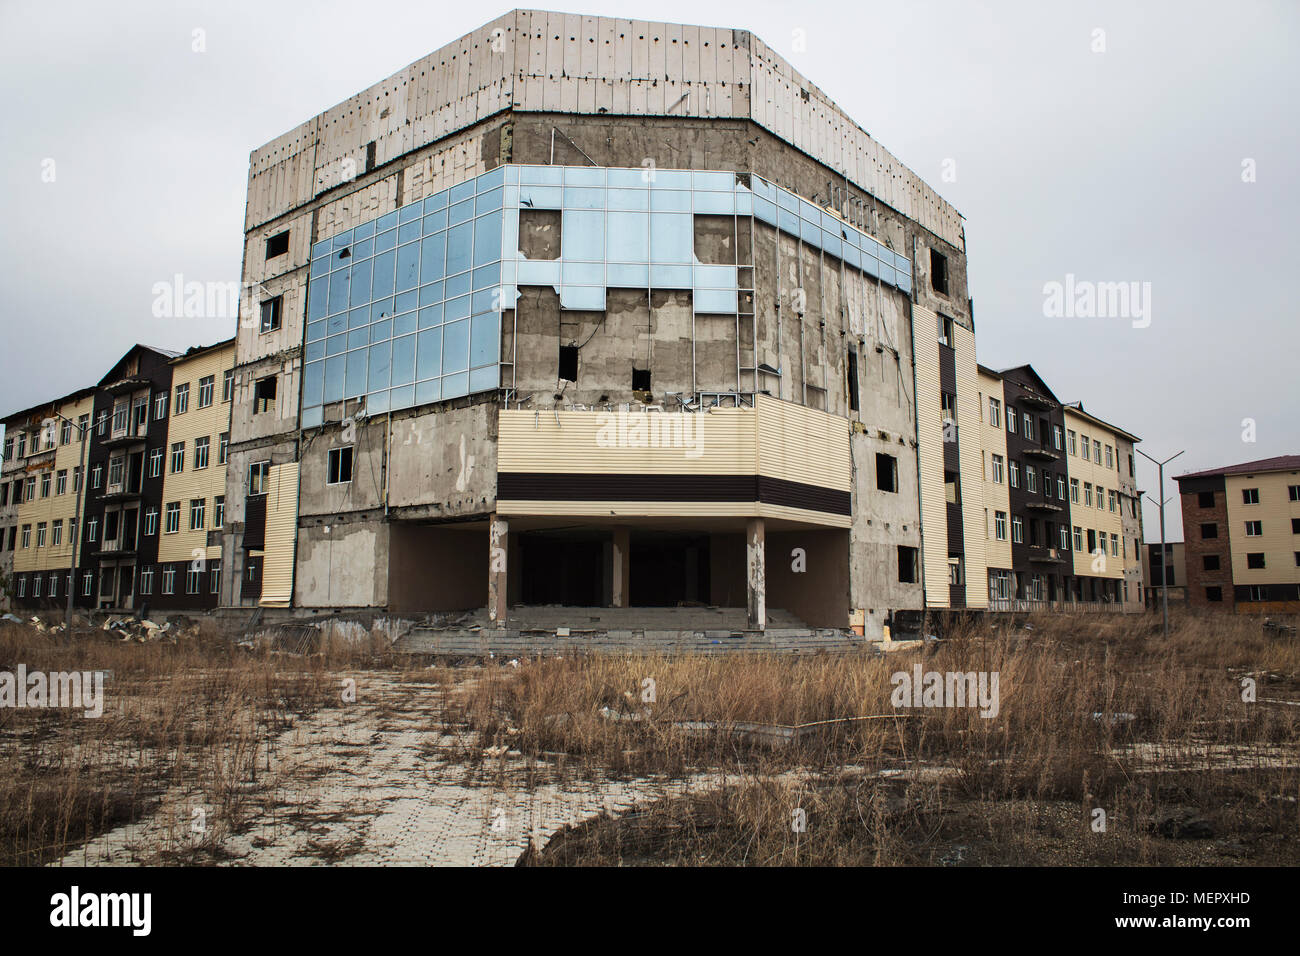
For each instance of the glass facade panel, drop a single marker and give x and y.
(406, 309)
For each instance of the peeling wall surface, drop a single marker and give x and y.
(672, 218)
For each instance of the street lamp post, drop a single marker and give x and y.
(1164, 567)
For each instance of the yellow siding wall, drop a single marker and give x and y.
(207, 483)
(775, 438)
(974, 526)
(997, 497)
(1098, 519)
(281, 535)
(929, 430)
(722, 442)
(56, 507)
(1275, 511)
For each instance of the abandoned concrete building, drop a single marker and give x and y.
(604, 313)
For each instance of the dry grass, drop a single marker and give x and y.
(888, 790)
(198, 716)
(875, 785)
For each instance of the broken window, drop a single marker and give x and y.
(264, 395)
(569, 363)
(258, 473)
(277, 245)
(1210, 562)
(539, 233)
(340, 466)
(952, 487)
(853, 380)
(640, 380)
(1255, 559)
(1209, 530)
(907, 564)
(938, 272)
(271, 313)
(945, 331)
(886, 472)
(1205, 499)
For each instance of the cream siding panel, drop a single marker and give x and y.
(803, 444)
(56, 507)
(281, 535)
(605, 443)
(971, 461)
(1101, 520)
(207, 483)
(1275, 510)
(929, 429)
(997, 497)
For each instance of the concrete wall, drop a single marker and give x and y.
(342, 562)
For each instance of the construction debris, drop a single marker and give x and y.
(146, 631)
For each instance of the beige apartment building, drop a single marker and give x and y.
(188, 523)
(45, 486)
(1241, 532)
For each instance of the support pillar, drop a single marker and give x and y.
(498, 549)
(756, 574)
(622, 559)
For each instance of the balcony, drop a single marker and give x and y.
(132, 383)
(120, 548)
(120, 491)
(1043, 504)
(1034, 400)
(1041, 554)
(129, 435)
(1043, 452)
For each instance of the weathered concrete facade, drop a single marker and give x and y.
(536, 89)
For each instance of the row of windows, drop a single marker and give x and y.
(1096, 540)
(999, 473)
(199, 457)
(125, 413)
(1005, 585)
(25, 489)
(1250, 496)
(50, 534)
(1254, 529)
(1092, 448)
(45, 439)
(51, 482)
(48, 584)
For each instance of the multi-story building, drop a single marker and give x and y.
(604, 312)
(187, 526)
(40, 485)
(155, 429)
(491, 283)
(1040, 502)
(1241, 531)
(1164, 568)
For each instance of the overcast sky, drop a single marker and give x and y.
(1112, 156)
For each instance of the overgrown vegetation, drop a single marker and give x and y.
(196, 717)
(1097, 713)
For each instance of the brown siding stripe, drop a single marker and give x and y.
(534, 486)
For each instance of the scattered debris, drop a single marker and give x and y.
(1182, 823)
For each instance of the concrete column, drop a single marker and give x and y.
(756, 574)
(498, 549)
(622, 560)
